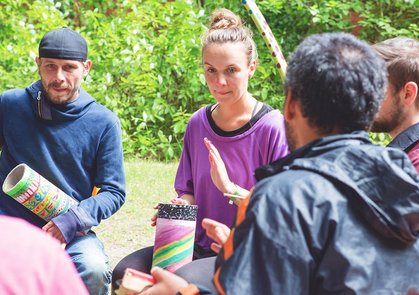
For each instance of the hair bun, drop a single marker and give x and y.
(224, 19)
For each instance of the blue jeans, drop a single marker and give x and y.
(92, 263)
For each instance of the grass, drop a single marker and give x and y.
(129, 229)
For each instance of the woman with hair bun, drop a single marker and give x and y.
(237, 133)
(226, 141)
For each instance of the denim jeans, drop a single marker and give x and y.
(92, 263)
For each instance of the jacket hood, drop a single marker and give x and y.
(380, 182)
(53, 112)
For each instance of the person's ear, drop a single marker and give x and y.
(252, 68)
(409, 93)
(37, 61)
(290, 106)
(86, 67)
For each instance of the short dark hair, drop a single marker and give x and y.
(338, 79)
(401, 55)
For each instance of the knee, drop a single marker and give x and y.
(95, 273)
(95, 266)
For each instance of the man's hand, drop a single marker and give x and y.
(217, 231)
(51, 229)
(167, 283)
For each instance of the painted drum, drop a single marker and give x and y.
(175, 235)
(36, 193)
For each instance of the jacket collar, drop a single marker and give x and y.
(310, 150)
(52, 112)
(406, 139)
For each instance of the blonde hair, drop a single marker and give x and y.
(225, 27)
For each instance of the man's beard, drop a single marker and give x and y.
(393, 120)
(57, 100)
(290, 135)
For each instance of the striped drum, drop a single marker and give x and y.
(175, 235)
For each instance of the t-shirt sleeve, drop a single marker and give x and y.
(183, 179)
(278, 145)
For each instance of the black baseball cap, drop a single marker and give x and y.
(63, 43)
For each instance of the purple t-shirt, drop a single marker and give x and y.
(413, 154)
(263, 143)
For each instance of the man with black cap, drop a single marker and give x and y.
(61, 132)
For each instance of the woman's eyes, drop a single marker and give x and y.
(228, 71)
(231, 70)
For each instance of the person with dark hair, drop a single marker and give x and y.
(60, 131)
(399, 112)
(339, 214)
(224, 142)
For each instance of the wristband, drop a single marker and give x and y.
(236, 194)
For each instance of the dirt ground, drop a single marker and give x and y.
(122, 236)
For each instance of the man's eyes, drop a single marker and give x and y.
(50, 66)
(67, 68)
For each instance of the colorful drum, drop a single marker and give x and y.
(175, 235)
(36, 193)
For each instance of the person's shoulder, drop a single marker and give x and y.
(12, 94)
(12, 223)
(294, 187)
(102, 112)
(272, 120)
(18, 227)
(200, 112)
(198, 115)
(274, 114)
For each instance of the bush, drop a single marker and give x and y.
(147, 54)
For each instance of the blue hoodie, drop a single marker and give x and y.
(75, 146)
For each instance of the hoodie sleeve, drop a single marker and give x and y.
(110, 179)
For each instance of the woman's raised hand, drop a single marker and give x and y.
(218, 171)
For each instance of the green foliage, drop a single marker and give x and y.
(147, 55)
(21, 24)
(147, 70)
(380, 138)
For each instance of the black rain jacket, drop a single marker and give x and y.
(338, 216)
